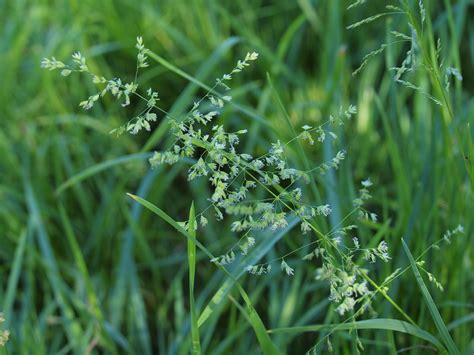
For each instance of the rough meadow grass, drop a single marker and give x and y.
(236, 177)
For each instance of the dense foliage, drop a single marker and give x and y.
(341, 157)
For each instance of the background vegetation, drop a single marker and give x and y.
(85, 268)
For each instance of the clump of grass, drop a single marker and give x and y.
(265, 192)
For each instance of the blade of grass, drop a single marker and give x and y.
(446, 337)
(14, 277)
(259, 328)
(164, 216)
(460, 321)
(95, 169)
(196, 345)
(375, 324)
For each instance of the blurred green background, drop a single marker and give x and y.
(83, 268)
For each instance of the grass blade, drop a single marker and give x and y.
(460, 321)
(259, 328)
(375, 324)
(95, 169)
(196, 345)
(447, 340)
(164, 216)
(14, 276)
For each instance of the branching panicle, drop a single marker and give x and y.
(236, 178)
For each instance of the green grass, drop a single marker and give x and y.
(84, 268)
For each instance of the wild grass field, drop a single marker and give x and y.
(87, 269)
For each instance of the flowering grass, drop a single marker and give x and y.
(290, 246)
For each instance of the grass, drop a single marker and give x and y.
(86, 269)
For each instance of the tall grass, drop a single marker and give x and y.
(85, 269)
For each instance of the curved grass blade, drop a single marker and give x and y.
(460, 321)
(95, 169)
(445, 336)
(263, 338)
(375, 324)
(73, 120)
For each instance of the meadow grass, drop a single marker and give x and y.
(87, 269)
